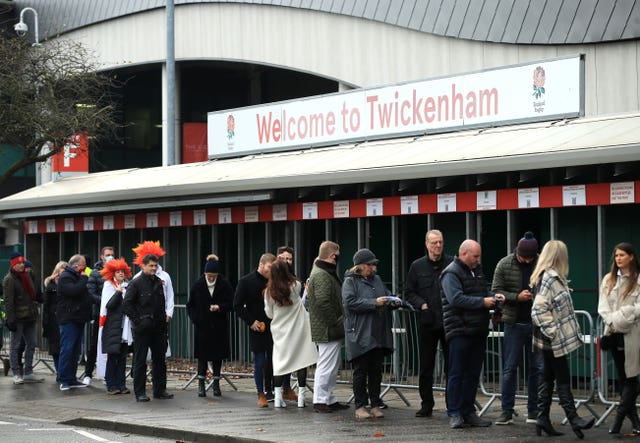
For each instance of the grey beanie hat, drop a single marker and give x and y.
(364, 256)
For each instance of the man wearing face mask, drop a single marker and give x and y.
(94, 288)
(73, 311)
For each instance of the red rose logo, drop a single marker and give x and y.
(231, 126)
(539, 79)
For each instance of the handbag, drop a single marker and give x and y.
(612, 341)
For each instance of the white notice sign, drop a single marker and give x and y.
(152, 220)
(107, 222)
(279, 212)
(224, 215)
(341, 209)
(33, 226)
(129, 221)
(310, 211)
(87, 223)
(199, 217)
(622, 193)
(68, 225)
(51, 226)
(175, 218)
(251, 214)
(409, 204)
(528, 198)
(486, 200)
(374, 207)
(574, 195)
(447, 202)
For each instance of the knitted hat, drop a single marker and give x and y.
(16, 257)
(212, 267)
(28, 264)
(527, 246)
(364, 256)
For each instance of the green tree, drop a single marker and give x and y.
(48, 93)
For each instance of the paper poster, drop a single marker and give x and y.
(107, 222)
(51, 225)
(279, 212)
(199, 217)
(409, 204)
(528, 198)
(87, 223)
(621, 193)
(310, 211)
(33, 226)
(251, 214)
(129, 221)
(341, 209)
(374, 207)
(152, 220)
(486, 200)
(447, 202)
(175, 218)
(224, 215)
(574, 195)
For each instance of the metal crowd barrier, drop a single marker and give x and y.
(607, 377)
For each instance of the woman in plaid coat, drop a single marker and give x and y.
(555, 334)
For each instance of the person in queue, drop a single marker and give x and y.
(210, 300)
(367, 327)
(423, 293)
(293, 350)
(144, 304)
(619, 307)
(556, 333)
(249, 306)
(465, 310)
(511, 278)
(50, 327)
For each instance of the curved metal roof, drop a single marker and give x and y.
(543, 22)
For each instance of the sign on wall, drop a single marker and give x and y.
(537, 91)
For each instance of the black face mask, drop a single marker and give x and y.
(336, 258)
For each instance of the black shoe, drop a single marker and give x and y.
(164, 395)
(216, 387)
(506, 418)
(457, 422)
(322, 408)
(269, 396)
(142, 398)
(202, 390)
(476, 422)
(337, 406)
(383, 405)
(424, 412)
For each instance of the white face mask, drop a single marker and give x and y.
(108, 258)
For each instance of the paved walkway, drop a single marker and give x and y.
(235, 417)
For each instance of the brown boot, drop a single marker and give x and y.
(262, 400)
(288, 394)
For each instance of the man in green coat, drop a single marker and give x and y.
(327, 325)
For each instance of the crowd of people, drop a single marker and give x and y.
(293, 326)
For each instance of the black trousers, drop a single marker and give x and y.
(555, 369)
(92, 352)
(367, 376)
(279, 380)
(157, 342)
(216, 366)
(428, 340)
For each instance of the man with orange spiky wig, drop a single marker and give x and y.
(144, 304)
(114, 336)
(151, 247)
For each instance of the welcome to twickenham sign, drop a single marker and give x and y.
(544, 90)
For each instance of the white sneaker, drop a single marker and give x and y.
(32, 378)
(17, 380)
(86, 381)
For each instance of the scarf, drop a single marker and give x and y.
(27, 284)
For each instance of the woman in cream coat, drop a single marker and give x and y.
(619, 307)
(293, 350)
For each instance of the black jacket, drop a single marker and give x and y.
(423, 286)
(211, 328)
(144, 304)
(249, 305)
(74, 305)
(112, 328)
(469, 317)
(94, 288)
(50, 327)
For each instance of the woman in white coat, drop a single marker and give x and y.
(293, 350)
(619, 307)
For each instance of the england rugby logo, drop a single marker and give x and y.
(538, 82)
(231, 127)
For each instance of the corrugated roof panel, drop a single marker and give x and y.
(599, 22)
(359, 7)
(633, 22)
(500, 20)
(431, 16)
(547, 22)
(406, 12)
(565, 18)
(394, 11)
(370, 9)
(584, 14)
(444, 17)
(471, 19)
(516, 19)
(617, 21)
(418, 15)
(382, 10)
(485, 20)
(457, 18)
(531, 22)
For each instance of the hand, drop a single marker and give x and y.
(380, 301)
(214, 308)
(611, 328)
(500, 298)
(489, 302)
(255, 326)
(424, 307)
(525, 295)
(168, 319)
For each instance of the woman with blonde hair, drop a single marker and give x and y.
(556, 333)
(50, 329)
(619, 307)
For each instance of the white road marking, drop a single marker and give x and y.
(47, 429)
(90, 435)
(6, 423)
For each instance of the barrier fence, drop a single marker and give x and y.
(593, 375)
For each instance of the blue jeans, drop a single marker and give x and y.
(466, 355)
(518, 342)
(263, 371)
(115, 372)
(70, 346)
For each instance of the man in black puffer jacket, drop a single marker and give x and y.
(73, 311)
(465, 312)
(144, 304)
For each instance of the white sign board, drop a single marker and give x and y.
(536, 91)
